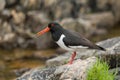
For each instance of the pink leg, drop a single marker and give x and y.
(72, 58)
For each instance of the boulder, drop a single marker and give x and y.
(77, 70)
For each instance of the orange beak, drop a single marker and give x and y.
(43, 31)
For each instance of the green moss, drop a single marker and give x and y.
(100, 71)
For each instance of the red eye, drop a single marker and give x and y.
(52, 25)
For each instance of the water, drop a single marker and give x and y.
(10, 61)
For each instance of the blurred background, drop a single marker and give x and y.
(20, 20)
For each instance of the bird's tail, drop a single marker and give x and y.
(101, 48)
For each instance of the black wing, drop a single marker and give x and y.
(76, 39)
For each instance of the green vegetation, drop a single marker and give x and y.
(100, 71)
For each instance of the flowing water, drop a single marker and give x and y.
(10, 61)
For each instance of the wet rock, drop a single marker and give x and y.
(77, 70)
(112, 55)
(2, 5)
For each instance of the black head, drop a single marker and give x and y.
(56, 30)
(53, 24)
(53, 27)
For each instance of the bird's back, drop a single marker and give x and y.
(76, 39)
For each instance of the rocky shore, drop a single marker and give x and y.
(21, 19)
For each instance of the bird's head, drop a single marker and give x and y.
(53, 26)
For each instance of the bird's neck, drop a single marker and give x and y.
(56, 34)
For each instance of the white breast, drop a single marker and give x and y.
(70, 48)
(61, 43)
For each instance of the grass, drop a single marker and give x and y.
(100, 71)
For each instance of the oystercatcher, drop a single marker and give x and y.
(68, 40)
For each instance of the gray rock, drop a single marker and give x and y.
(77, 70)
(2, 4)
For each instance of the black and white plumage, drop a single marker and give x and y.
(69, 40)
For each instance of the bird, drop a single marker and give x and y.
(69, 40)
